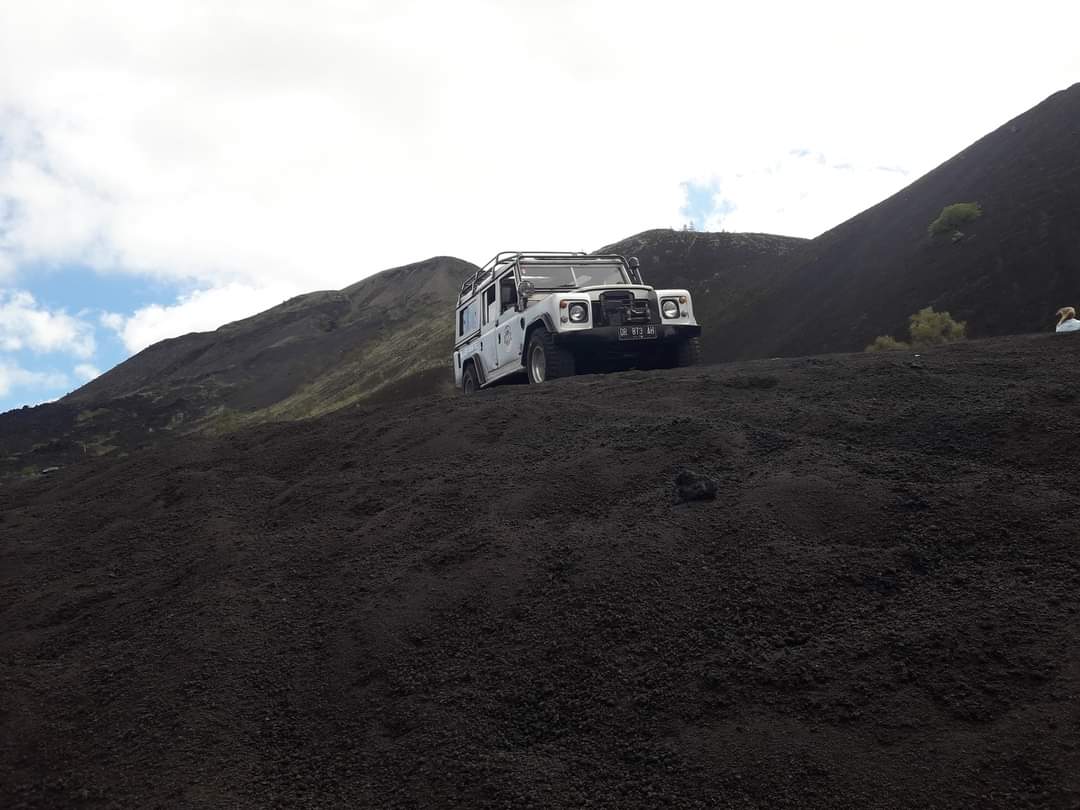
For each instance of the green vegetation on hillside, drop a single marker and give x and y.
(927, 328)
(886, 343)
(953, 216)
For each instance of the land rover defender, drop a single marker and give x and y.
(548, 315)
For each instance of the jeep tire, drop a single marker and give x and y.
(544, 360)
(679, 355)
(468, 380)
(687, 353)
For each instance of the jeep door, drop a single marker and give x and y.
(489, 316)
(508, 326)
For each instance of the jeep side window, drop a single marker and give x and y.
(507, 292)
(489, 304)
(468, 319)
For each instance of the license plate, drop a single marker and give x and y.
(637, 332)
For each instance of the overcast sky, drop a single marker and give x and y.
(171, 166)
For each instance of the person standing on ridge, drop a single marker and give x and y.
(1067, 320)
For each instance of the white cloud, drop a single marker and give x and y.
(13, 376)
(200, 311)
(798, 186)
(113, 320)
(86, 372)
(262, 143)
(25, 324)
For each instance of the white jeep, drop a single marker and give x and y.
(549, 315)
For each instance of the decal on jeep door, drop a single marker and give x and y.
(507, 336)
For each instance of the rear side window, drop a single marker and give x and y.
(468, 319)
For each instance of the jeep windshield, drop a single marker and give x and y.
(570, 276)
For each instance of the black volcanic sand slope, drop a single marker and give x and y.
(308, 355)
(1006, 272)
(497, 601)
(384, 338)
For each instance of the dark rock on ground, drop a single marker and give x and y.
(692, 486)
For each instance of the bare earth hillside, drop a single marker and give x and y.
(309, 355)
(1006, 272)
(384, 338)
(498, 601)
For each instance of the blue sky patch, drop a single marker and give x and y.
(76, 289)
(32, 374)
(704, 205)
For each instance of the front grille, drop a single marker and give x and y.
(620, 307)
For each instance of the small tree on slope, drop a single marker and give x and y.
(953, 216)
(927, 328)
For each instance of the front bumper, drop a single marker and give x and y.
(607, 337)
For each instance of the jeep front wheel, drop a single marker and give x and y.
(546, 361)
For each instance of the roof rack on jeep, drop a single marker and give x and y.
(469, 286)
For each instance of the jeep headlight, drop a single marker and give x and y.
(578, 312)
(670, 308)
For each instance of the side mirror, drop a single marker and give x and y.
(525, 289)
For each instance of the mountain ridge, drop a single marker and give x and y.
(1007, 273)
(389, 336)
(250, 344)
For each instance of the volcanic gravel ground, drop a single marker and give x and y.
(498, 601)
